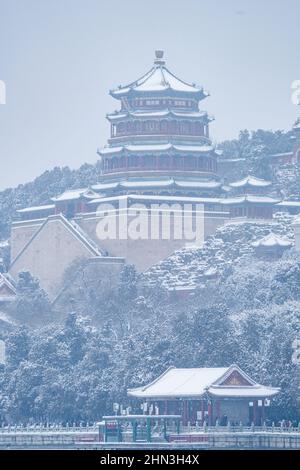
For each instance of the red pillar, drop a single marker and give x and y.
(184, 412)
(186, 416)
(209, 407)
(255, 412)
(218, 409)
(263, 411)
(202, 409)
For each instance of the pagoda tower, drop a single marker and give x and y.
(159, 138)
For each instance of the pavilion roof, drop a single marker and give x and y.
(289, 204)
(159, 79)
(74, 194)
(272, 240)
(250, 181)
(47, 207)
(7, 288)
(250, 199)
(196, 382)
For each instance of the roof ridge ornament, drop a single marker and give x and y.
(159, 54)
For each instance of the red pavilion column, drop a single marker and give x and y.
(202, 409)
(218, 409)
(255, 412)
(209, 408)
(263, 411)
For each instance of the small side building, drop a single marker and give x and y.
(223, 394)
(250, 199)
(271, 246)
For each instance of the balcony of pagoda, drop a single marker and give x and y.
(156, 103)
(159, 164)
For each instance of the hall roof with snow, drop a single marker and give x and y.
(196, 382)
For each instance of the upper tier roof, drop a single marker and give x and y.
(250, 181)
(159, 79)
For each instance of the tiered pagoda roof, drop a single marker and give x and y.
(159, 130)
(159, 79)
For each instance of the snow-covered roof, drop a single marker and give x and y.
(289, 203)
(197, 184)
(272, 240)
(296, 221)
(103, 186)
(297, 124)
(10, 290)
(159, 79)
(156, 148)
(177, 383)
(158, 183)
(6, 319)
(144, 197)
(73, 194)
(247, 392)
(47, 207)
(4, 243)
(210, 272)
(162, 113)
(282, 154)
(251, 199)
(250, 181)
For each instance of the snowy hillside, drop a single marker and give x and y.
(192, 267)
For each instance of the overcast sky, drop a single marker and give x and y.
(59, 58)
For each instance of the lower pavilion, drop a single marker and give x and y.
(219, 395)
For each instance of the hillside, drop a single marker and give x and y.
(193, 267)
